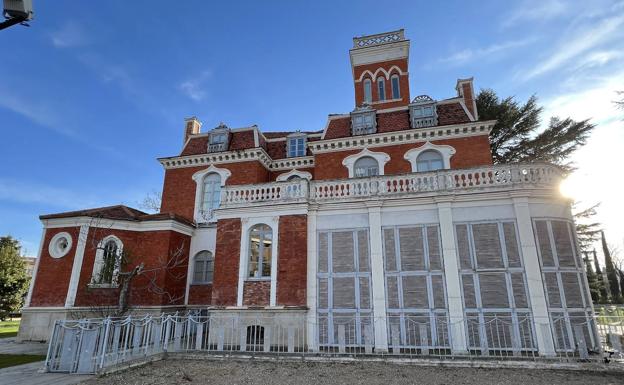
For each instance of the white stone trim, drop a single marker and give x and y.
(373, 76)
(289, 163)
(246, 225)
(252, 154)
(378, 284)
(35, 270)
(198, 177)
(118, 224)
(381, 157)
(54, 252)
(77, 266)
(301, 174)
(98, 262)
(417, 135)
(311, 286)
(446, 151)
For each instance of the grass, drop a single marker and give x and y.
(9, 328)
(7, 360)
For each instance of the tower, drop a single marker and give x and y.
(380, 70)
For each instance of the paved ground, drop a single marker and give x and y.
(278, 373)
(29, 374)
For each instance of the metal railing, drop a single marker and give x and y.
(89, 346)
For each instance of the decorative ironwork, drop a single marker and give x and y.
(423, 99)
(379, 39)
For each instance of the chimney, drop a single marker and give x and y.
(192, 127)
(465, 90)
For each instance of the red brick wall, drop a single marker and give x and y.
(156, 250)
(292, 261)
(179, 187)
(403, 82)
(468, 97)
(54, 274)
(470, 152)
(200, 295)
(256, 293)
(227, 255)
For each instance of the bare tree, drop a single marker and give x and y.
(151, 202)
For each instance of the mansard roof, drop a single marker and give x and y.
(117, 212)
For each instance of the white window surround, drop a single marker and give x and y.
(292, 150)
(381, 157)
(208, 259)
(446, 151)
(98, 263)
(246, 225)
(301, 174)
(55, 247)
(198, 177)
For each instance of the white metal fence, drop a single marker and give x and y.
(90, 345)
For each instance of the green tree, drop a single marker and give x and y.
(518, 135)
(587, 230)
(13, 278)
(612, 274)
(604, 295)
(592, 279)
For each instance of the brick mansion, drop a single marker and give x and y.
(391, 213)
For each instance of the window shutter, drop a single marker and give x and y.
(322, 251)
(342, 252)
(393, 292)
(519, 290)
(493, 290)
(412, 249)
(437, 287)
(563, 243)
(364, 293)
(487, 245)
(344, 292)
(389, 250)
(322, 293)
(541, 230)
(433, 243)
(463, 247)
(415, 292)
(363, 252)
(572, 290)
(511, 244)
(470, 300)
(552, 289)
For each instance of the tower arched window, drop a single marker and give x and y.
(381, 88)
(429, 160)
(211, 193)
(107, 262)
(366, 166)
(396, 92)
(260, 251)
(203, 267)
(368, 93)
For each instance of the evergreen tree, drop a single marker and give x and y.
(612, 275)
(517, 135)
(592, 280)
(587, 230)
(13, 278)
(604, 295)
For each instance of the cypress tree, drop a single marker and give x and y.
(592, 280)
(604, 295)
(612, 275)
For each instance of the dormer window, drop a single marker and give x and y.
(363, 121)
(296, 146)
(423, 112)
(219, 138)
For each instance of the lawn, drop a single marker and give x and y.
(9, 328)
(7, 360)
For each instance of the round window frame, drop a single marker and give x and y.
(53, 248)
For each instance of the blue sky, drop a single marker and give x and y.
(93, 92)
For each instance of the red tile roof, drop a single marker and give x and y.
(117, 212)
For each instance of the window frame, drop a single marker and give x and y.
(381, 89)
(259, 271)
(296, 146)
(99, 263)
(366, 168)
(429, 162)
(208, 261)
(396, 89)
(368, 91)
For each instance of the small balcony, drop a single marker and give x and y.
(217, 147)
(441, 182)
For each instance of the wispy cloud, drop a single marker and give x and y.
(19, 191)
(194, 87)
(471, 54)
(69, 35)
(589, 36)
(535, 10)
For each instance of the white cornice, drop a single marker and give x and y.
(257, 154)
(417, 135)
(117, 224)
(291, 163)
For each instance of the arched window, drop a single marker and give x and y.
(396, 93)
(366, 166)
(211, 197)
(260, 251)
(381, 88)
(368, 94)
(429, 160)
(107, 262)
(203, 267)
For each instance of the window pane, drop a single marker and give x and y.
(367, 91)
(395, 88)
(381, 88)
(254, 252)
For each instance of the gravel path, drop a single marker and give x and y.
(277, 373)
